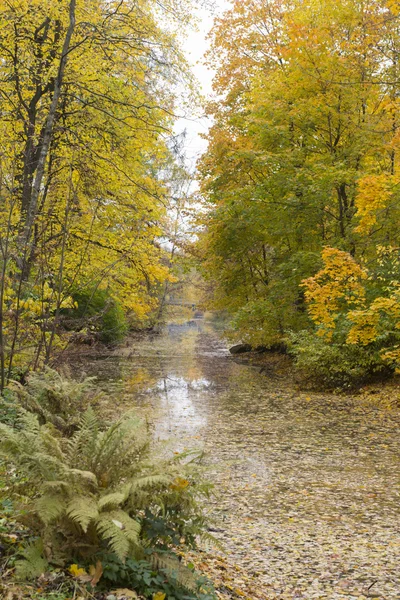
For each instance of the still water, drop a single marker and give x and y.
(307, 485)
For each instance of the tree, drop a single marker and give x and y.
(87, 102)
(303, 153)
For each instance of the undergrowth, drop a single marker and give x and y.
(94, 502)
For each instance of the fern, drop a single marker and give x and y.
(120, 530)
(49, 507)
(55, 398)
(82, 445)
(173, 568)
(32, 564)
(82, 510)
(150, 481)
(81, 478)
(52, 445)
(28, 424)
(101, 488)
(115, 498)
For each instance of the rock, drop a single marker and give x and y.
(240, 349)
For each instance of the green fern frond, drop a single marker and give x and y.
(53, 487)
(120, 445)
(149, 481)
(211, 540)
(115, 498)
(49, 508)
(43, 465)
(9, 444)
(24, 439)
(116, 539)
(84, 440)
(29, 423)
(51, 444)
(120, 531)
(82, 510)
(110, 443)
(83, 478)
(175, 570)
(33, 564)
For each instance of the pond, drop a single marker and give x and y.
(307, 485)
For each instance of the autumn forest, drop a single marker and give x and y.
(301, 175)
(283, 241)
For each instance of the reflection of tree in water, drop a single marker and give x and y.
(140, 380)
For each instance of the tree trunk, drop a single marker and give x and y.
(31, 211)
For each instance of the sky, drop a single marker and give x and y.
(195, 47)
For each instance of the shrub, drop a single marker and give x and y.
(104, 313)
(141, 576)
(333, 365)
(102, 492)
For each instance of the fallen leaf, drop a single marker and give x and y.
(124, 593)
(76, 571)
(96, 573)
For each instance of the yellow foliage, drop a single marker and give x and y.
(334, 289)
(365, 326)
(365, 329)
(338, 290)
(393, 6)
(373, 193)
(392, 356)
(102, 206)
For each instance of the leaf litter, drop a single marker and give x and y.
(307, 486)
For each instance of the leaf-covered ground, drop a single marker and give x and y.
(307, 485)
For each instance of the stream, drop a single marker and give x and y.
(307, 485)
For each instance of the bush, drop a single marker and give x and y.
(333, 365)
(141, 576)
(102, 493)
(103, 312)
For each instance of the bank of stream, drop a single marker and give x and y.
(307, 486)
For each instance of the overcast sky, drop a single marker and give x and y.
(195, 47)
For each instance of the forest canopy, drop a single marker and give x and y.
(301, 179)
(87, 98)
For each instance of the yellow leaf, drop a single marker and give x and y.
(159, 596)
(180, 484)
(76, 571)
(124, 593)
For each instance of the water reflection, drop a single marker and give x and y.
(177, 397)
